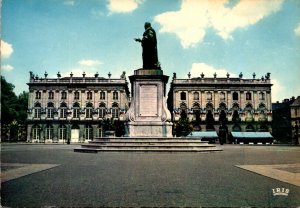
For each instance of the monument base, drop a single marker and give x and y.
(148, 115)
(150, 129)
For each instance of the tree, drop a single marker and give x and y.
(22, 106)
(12, 107)
(120, 128)
(108, 124)
(183, 127)
(9, 101)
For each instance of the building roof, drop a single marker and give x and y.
(251, 135)
(296, 102)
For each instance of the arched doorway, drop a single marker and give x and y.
(183, 109)
(222, 116)
(209, 118)
(75, 133)
(196, 117)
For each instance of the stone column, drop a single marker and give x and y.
(29, 130)
(95, 131)
(55, 133)
(81, 133)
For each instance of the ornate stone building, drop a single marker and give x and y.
(236, 103)
(73, 107)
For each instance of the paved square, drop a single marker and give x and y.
(120, 179)
(10, 171)
(289, 173)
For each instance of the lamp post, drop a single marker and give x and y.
(69, 132)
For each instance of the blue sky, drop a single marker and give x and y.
(193, 36)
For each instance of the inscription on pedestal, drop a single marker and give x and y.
(148, 100)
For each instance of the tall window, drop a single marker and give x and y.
(51, 95)
(50, 110)
(235, 115)
(183, 109)
(89, 132)
(63, 110)
(49, 132)
(262, 96)
(262, 107)
(102, 110)
(209, 117)
(248, 96)
(100, 131)
(115, 110)
(209, 106)
(102, 95)
(38, 95)
(235, 106)
(64, 95)
(62, 132)
(248, 107)
(76, 95)
(235, 96)
(222, 116)
(182, 96)
(89, 110)
(196, 111)
(222, 96)
(37, 110)
(36, 130)
(209, 96)
(196, 95)
(76, 108)
(115, 95)
(222, 106)
(89, 95)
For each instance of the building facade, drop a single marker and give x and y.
(282, 125)
(295, 111)
(295, 117)
(286, 118)
(237, 104)
(72, 108)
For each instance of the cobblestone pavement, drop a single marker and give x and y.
(114, 179)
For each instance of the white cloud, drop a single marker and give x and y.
(6, 49)
(297, 30)
(69, 3)
(89, 63)
(277, 91)
(7, 67)
(123, 6)
(208, 71)
(195, 17)
(88, 66)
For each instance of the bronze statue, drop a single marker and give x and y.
(149, 45)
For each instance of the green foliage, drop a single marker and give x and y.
(108, 124)
(114, 125)
(120, 128)
(12, 107)
(183, 127)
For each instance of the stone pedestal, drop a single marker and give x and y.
(148, 115)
